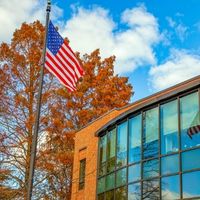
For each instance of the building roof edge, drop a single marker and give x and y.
(147, 101)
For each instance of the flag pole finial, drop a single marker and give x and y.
(48, 5)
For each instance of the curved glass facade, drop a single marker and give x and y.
(152, 154)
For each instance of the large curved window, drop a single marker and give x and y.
(191, 182)
(190, 118)
(170, 164)
(150, 128)
(111, 146)
(122, 144)
(152, 154)
(135, 139)
(102, 155)
(170, 187)
(169, 127)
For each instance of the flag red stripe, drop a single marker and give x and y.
(64, 61)
(75, 65)
(56, 73)
(74, 56)
(71, 55)
(61, 68)
(49, 69)
(53, 67)
(62, 81)
(78, 67)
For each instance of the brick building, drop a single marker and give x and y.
(146, 150)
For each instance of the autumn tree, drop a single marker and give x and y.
(62, 114)
(20, 65)
(99, 91)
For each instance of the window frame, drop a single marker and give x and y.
(158, 103)
(82, 170)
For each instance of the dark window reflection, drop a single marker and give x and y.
(169, 127)
(111, 145)
(110, 181)
(101, 185)
(122, 144)
(189, 107)
(135, 139)
(82, 174)
(134, 173)
(170, 164)
(102, 155)
(171, 188)
(191, 160)
(134, 191)
(121, 177)
(110, 195)
(120, 193)
(150, 169)
(150, 140)
(191, 184)
(101, 197)
(151, 190)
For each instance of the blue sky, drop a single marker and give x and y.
(156, 43)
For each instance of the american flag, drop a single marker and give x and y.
(195, 126)
(61, 60)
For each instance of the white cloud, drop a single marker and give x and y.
(179, 67)
(197, 25)
(171, 22)
(90, 29)
(15, 12)
(178, 27)
(169, 194)
(181, 31)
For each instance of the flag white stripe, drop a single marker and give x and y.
(68, 59)
(61, 66)
(50, 70)
(59, 72)
(63, 61)
(72, 55)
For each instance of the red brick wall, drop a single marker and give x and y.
(86, 146)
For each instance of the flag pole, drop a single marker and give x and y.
(36, 127)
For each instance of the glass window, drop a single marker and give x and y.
(150, 140)
(102, 155)
(170, 188)
(121, 193)
(110, 181)
(121, 177)
(135, 139)
(150, 168)
(101, 185)
(189, 108)
(169, 127)
(110, 195)
(111, 145)
(82, 174)
(169, 164)
(134, 191)
(151, 190)
(191, 159)
(134, 173)
(101, 196)
(122, 144)
(191, 182)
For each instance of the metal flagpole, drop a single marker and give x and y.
(36, 128)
